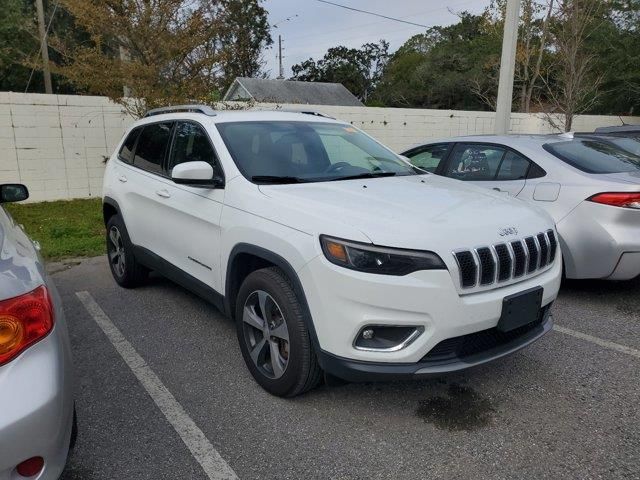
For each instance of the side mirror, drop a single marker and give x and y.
(196, 174)
(13, 192)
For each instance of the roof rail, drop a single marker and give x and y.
(205, 109)
(304, 112)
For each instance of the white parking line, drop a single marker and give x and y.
(208, 457)
(599, 341)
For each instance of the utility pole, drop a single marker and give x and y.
(281, 70)
(44, 49)
(507, 67)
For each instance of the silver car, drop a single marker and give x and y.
(590, 186)
(37, 420)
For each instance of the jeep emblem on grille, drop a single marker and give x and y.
(504, 232)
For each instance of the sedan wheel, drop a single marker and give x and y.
(266, 334)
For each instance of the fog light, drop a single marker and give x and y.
(31, 467)
(367, 334)
(386, 338)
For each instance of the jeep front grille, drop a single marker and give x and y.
(499, 263)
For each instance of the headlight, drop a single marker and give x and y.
(368, 258)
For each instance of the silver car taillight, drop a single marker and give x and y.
(618, 199)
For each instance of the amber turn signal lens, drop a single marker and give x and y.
(337, 251)
(24, 320)
(11, 333)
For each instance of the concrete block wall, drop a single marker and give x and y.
(56, 144)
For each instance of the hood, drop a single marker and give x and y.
(423, 212)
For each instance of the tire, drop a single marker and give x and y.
(285, 368)
(74, 430)
(126, 270)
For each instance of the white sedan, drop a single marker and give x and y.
(589, 185)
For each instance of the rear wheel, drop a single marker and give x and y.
(126, 270)
(74, 429)
(273, 335)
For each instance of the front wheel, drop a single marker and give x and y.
(273, 335)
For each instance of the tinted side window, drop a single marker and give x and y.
(152, 146)
(126, 151)
(536, 171)
(191, 144)
(475, 162)
(513, 167)
(429, 158)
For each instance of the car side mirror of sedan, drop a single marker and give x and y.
(196, 174)
(13, 192)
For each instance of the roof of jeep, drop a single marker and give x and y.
(223, 116)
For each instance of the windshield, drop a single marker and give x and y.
(278, 152)
(595, 156)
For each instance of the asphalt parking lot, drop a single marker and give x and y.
(566, 407)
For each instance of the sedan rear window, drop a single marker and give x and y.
(594, 156)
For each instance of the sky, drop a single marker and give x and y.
(319, 26)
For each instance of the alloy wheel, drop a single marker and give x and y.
(116, 251)
(266, 334)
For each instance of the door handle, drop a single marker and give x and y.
(163, 193)
(497, 189)
(122, 178)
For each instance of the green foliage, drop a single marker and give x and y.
(359, 70)
(246, 33)
(72, 228)
(616, 47)
(20, 47)
(434, 69)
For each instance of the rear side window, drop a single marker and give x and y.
(513, 167)
(594, 156)
(152, 146)
(126, 152)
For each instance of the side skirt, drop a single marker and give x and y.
(173, 273)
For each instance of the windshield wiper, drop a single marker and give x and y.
(276, 179)
(366, 175)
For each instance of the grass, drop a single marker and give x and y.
(66, 228)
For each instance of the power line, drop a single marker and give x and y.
(372, 13)
(325, 33)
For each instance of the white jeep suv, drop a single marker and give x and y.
(332, 253)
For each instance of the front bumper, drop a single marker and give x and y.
(342, 302)
(357, 371)
(36, 406)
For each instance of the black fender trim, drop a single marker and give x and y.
(112, 203)
(155, 262)
(286, 267)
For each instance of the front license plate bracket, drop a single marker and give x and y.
(520, 309)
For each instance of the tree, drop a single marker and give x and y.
(434, 69)
(573, 86)
(245, 34)
(161, 52)
(20, 62)
(531, 50)
(359, 70)
(616, 48)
